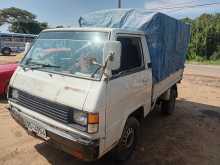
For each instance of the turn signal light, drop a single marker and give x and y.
(93, 118)
(93, 122)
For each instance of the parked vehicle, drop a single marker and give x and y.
(88, 89)
(6, 71)
(14, 42)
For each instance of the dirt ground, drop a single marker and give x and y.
(10, 59)
(190, 136)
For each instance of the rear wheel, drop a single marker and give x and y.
(128, 139)
(168, 106)
(6, 51)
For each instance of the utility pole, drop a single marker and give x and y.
(119, 3)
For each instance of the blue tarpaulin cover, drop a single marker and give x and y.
(167, 37)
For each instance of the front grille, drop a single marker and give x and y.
(50, 109)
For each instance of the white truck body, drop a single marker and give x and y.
(114, 99)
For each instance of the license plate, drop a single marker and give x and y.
(36, 128)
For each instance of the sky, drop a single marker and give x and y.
(67, 12)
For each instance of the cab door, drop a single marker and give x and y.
(129, 87)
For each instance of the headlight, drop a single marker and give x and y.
(80, 117)
(90, 121)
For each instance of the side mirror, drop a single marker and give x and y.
(112, 49)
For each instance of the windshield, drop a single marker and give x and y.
(72, 53)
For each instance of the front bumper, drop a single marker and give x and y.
(80, 147)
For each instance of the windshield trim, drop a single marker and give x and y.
(80, 29)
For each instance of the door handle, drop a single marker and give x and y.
(145, 81)
(149, 65)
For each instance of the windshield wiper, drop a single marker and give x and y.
(100, 66)
(93, 74)
(37, 65)
(97, 69)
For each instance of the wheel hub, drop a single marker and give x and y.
(128, 138)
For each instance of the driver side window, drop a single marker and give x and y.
(131, 55)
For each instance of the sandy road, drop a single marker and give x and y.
(10, 59)
(190, 136)
(203, 70)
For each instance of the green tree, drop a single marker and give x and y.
(12, 14)
(205, 36)
(33, 27)
(21, 21)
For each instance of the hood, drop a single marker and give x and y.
(8, 67)
(61, 89)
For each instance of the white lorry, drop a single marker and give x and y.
(89, 89)
(89, 114)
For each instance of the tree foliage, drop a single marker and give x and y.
(205, 37)
(32, 27)
(21, 21)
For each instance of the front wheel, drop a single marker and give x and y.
(128, 139)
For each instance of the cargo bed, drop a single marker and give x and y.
(159, 88)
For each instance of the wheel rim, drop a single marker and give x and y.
(128, 138)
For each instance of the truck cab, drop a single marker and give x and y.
(85, 89)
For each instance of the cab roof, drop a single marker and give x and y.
(96, 29)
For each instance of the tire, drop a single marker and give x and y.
(128, 141)
(6, 51)
(168, 107)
